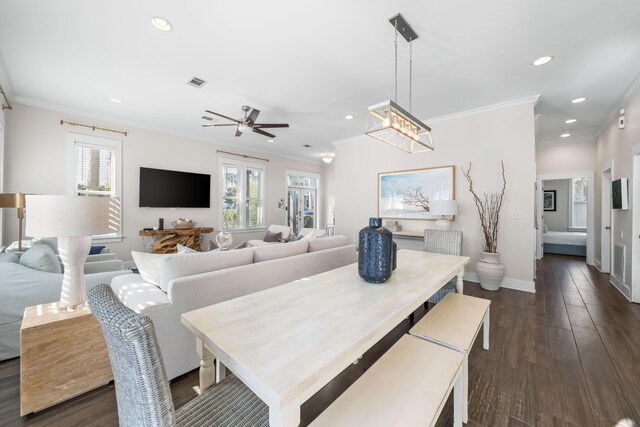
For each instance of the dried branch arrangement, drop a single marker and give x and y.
(489, 210)
(416, 198)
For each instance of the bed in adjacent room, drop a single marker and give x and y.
(565, 243)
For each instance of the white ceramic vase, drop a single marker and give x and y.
(490, 271)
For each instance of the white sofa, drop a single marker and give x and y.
(176, 283)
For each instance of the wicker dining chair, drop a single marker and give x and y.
(443, 242)
(142, 389)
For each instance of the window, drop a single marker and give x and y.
(578, 203)
(97, 170)
(242, 195)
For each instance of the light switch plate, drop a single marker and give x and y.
(517, 215)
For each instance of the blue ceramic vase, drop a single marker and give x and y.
(377, 254)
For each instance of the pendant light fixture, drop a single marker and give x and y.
(388, 121)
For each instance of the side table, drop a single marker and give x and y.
(62, 355)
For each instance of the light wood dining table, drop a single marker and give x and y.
(287, 342)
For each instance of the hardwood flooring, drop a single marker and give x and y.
(568, 355)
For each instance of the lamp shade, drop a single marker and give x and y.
(443, 207)
(68, 216)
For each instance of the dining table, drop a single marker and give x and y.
(287, 342)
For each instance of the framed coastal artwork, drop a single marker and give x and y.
(549, 200)
(408, 194)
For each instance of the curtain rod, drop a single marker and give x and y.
(93, 127)
(4, 95)
(242, 155)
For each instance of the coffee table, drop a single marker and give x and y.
(287, 342)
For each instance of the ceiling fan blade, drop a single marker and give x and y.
(223, 116)
(253, 116)
(238, 133)
(271, 125)
(212, 125)
(261, 132)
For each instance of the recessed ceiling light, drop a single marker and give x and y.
(348, 117)
(270, 140)
(161, 23)
(578, 100)
(569, 121)
(116, 100)
(565, 135)
(543, 60)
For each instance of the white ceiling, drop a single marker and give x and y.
(311, 63)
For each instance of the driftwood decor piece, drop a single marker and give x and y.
(489, 210)
(166, 240)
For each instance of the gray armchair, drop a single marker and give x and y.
(443, 242)
(142, 389)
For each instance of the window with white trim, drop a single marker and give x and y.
(97, 170)
(243, 193)
(578, 203)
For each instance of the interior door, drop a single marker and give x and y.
(605, 254)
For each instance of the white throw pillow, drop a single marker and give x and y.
(545, 228)
(161, 269)
(181, 249)
(327, 243)
(41, 257)
(266, 253)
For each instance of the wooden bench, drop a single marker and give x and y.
(407, 386)
(454, 323)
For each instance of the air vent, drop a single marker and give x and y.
(619, 261)
(196, 82)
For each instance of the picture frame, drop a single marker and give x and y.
(549, 200)
(406, 194)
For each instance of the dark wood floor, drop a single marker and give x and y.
(568, 355)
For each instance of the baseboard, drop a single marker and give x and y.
(597, 264)
(518, 285)
(624, 289)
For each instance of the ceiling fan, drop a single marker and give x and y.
(247, 123)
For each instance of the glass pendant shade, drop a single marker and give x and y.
(389, 122)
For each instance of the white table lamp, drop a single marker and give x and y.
(73, 220)
(443, 208)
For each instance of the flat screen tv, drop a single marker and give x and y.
(619, 193)
(160, 188)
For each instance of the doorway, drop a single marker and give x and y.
(578, 213)
(606, 231)
(635, 224)
(302, 201)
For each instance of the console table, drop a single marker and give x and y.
(166, 240)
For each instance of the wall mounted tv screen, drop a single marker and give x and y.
(619, 193)
(161, 188)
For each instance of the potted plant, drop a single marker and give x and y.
(490, 270)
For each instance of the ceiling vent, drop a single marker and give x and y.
(196, 82)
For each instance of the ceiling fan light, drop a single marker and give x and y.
(244, 128)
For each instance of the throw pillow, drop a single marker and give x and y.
(212, 245)
(148, 266)
(181, 249)
(545, 228)
(327, 243)
(266, 253)
(272, 237)
(42, 258)
(9, 258)
(95, 250)
(52, 242)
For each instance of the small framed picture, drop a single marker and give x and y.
(549, 200)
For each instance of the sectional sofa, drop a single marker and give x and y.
(172, 284)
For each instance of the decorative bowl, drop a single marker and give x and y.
(183, 223)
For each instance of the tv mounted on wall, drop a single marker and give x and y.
(161, 188)
(620, 193)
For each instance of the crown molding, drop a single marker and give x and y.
(530, 100)
(587, 138)
(117, 121)
(628, 94)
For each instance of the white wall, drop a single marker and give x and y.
(564, 157)
(2, 120)
(558, 220)
(616, 144)
(36, 162)
(484, 138)
(328, 190)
